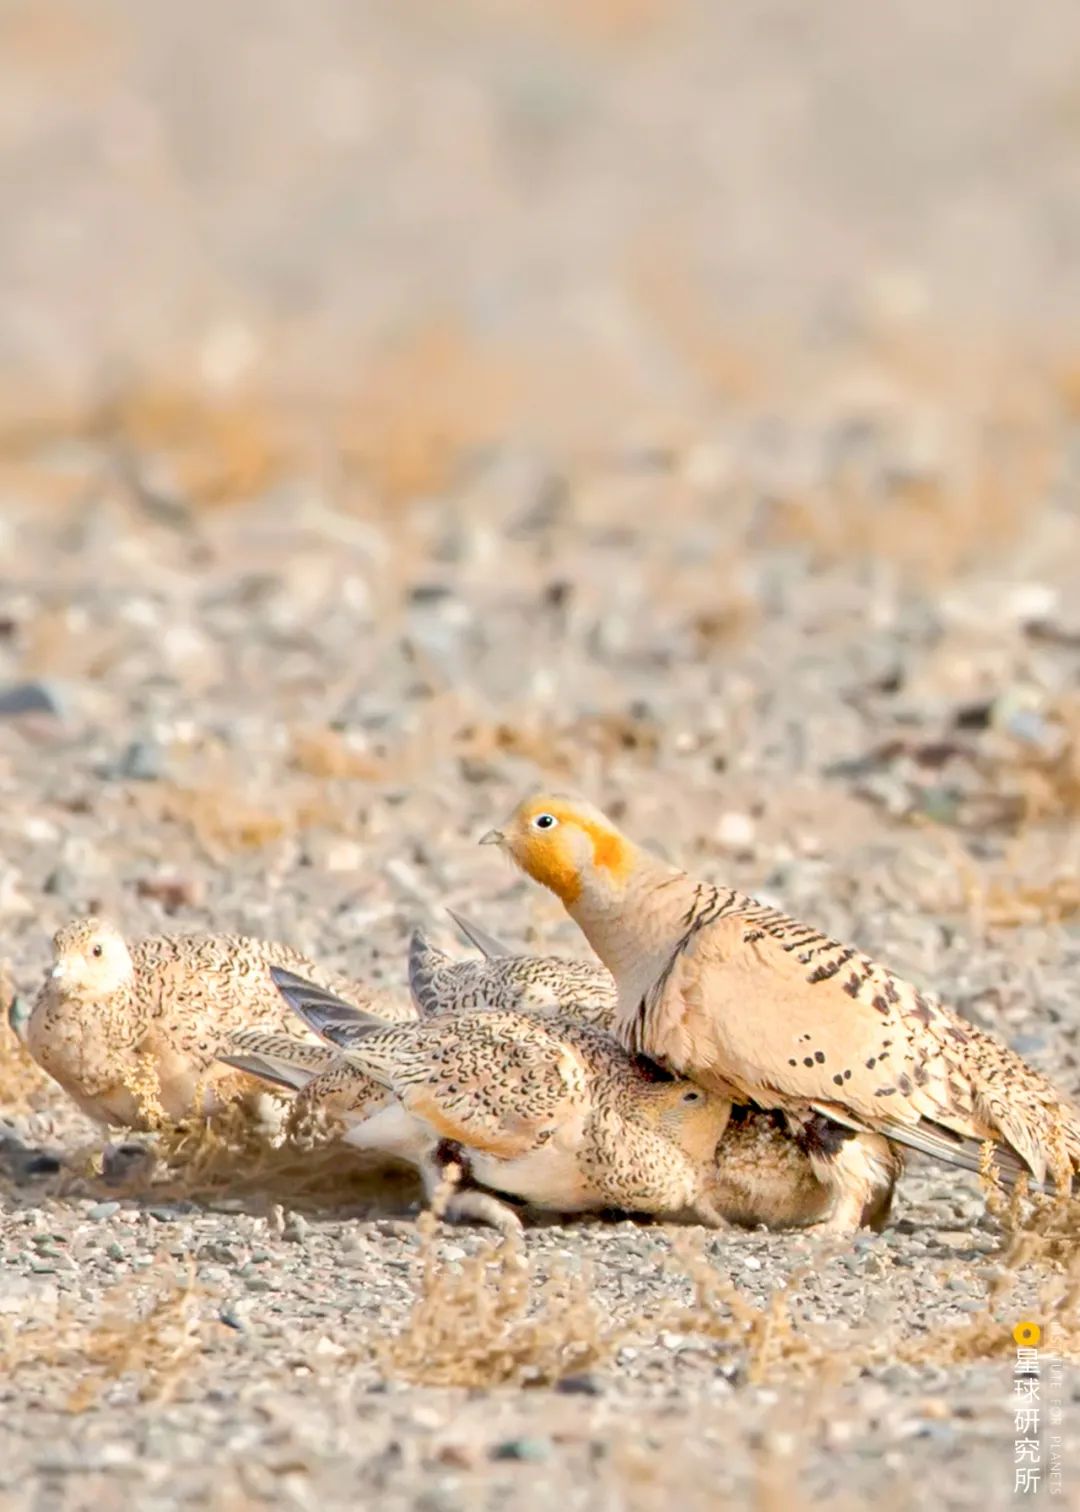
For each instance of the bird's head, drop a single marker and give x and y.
(90, 960)
(567, 845)
(690, 1116)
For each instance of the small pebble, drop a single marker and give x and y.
(531, 1450)
(18, 699)
(579, 1385)
(102, 1210)
(143, 761)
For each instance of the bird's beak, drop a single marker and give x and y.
(493, 837)
(58, 971)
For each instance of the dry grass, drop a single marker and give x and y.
(20, 1077)
(987, 1334)
(218, 447)
(233, 1155)
(774, 1344)
(1032, 884)
(328, 754)
(994, 428)
(426, 402)
(1048, 776)
(153, 1335)
(931, 528)
(560, 749)
(1013, 904)
(215, 447)
(1041, 1229)
(764, 1339)
(488, 1325)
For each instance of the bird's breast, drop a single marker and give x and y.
(547, 1177)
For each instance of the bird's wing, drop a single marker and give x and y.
(938, 1142)
(497, 1082)
(773, 1005)
(780, 1010)
(584, 990)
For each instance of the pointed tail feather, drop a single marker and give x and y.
(350, 1036)
(1023, 1108)
(942, 1144)
(425, 961)
(276, 1057)
(318, 1008)
(287, 1077)
(488, 945)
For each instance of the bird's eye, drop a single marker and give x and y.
(691, 1097)
(545, 822)
(97, 950)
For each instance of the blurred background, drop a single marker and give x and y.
(401, 401)
(646, 193)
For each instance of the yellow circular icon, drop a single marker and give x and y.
(1027, 1334)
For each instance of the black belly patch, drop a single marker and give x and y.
(449, 1152)
(821, 1136)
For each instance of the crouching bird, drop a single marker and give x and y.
(131, 1030)
(750, 1003)
(537, 1107)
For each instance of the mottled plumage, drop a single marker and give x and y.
(131, 1033)
(315, 1071)
(749, 1002)
(541, 1108)
(544, 1109)
(543, 984)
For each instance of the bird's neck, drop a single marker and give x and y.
(117, 1009)
(632, 928)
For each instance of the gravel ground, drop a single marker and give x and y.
(258, 728)
(332, 525)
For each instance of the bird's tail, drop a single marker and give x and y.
(330, 1016)
(1038, 1124)
(425, 963)
(489, 945)
(1021, 1108)
(280, 1059)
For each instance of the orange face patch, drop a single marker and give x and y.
(610, 851)
(549, 862)
(552, 859)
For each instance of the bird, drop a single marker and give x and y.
(542, 1108)
(131, 1031)
(538, 1107)
(762, 1174)
(582, 989)
(743, 999)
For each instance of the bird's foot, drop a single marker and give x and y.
(472, 1206)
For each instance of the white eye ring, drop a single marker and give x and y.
(691, 1097)
(544, 822)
